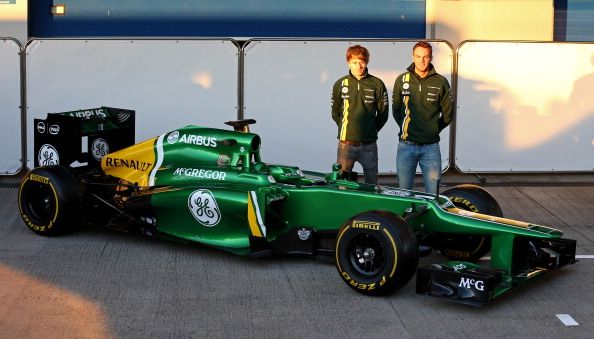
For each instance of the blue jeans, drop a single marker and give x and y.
(365, 154)
(429, 159)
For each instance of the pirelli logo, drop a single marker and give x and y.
(369, 225)
(38, 178)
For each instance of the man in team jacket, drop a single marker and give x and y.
(360, 109)
(422, 106)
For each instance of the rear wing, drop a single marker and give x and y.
(81, 138)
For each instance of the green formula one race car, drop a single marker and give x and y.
(210, 186)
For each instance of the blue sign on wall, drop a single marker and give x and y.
(231, 18)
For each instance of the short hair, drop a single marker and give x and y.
(424, 44)
(357, 51)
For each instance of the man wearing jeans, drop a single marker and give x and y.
(422, 106)
(360, 109)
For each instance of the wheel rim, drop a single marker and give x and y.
(40, 204)
(366, 255)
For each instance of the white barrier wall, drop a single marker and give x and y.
(288, 85)
(525, 107)
(169, 83)
(522, 107)
(10, 107)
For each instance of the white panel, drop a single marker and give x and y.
(525, 107)
(288, 85)
(10, 111)
(170, 83)
(460, 20)
(13, 19)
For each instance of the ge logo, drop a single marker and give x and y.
(99, 148)
(48, 155)
(204, 208)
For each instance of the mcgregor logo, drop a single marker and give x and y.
(204, 208)
(478, 285)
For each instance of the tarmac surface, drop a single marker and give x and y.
(97, 283)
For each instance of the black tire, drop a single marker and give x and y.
(49, 200)
(468, 247)
(376, 252)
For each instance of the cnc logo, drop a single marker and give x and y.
(204, 208)
(478, 285)
(99, 148)
(172, 137)
(54, 129)
(41, 127)
(48, 155)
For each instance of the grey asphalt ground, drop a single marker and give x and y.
(102, 284)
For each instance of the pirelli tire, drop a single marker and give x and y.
(49, 200)
(468, 247)
(376, 252)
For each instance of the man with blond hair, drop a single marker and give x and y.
(422, 107)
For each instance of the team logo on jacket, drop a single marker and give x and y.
(345, 90)
(48, 155)
(204, 207)
(99, 148)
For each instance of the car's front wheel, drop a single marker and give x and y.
(468, 247)
(376, 252)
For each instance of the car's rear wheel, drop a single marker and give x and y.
(49, 200)
(376, 252)
(468, 247)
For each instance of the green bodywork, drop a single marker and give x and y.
(228, 164)
(207, 182)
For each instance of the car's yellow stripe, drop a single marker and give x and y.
(254, 218)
